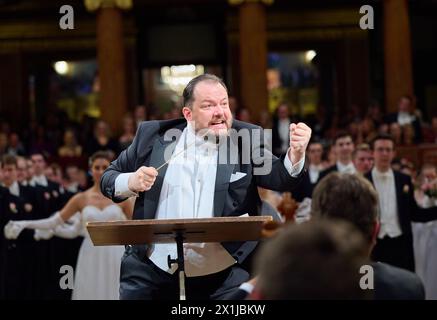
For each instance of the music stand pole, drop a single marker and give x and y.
(181, 263)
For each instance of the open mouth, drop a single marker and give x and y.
(219, 124)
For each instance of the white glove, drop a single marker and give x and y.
(41, 234)
(69, 231)
(13, 229)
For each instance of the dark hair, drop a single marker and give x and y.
(188, 94)
(99, 155)
(382, 136)
(312, 260)
(342, 134)
(315, 141)
(349, 197)
(8, 159)
(38, 154)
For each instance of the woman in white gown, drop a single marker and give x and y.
(97, 270)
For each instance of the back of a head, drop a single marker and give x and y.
(348, 197)
(313, 260)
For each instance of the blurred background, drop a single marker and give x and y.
(79, 80)
(310, 55)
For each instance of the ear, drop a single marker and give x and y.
(188, 114)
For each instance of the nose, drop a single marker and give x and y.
(218, 111)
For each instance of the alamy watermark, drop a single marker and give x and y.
(244, 146)
(66, 22)
(67, 279)
(367, 21)
(367, 280)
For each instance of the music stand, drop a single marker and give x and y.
(219, 229)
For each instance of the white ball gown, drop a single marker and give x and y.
(97, 273)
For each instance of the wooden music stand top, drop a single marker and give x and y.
(218, 229)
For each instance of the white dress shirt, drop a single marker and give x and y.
(14, 189)
(314, 171)
(188, 192)
(388, 209)
(349, 168)
(405, 118)
(39, 180)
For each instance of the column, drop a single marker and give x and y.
(111, 59)
(397, 52)
(253, 55)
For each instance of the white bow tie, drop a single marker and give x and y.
(382, 175)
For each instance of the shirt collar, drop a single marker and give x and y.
(41, 180)
(378, 174)
(14, 189)
(349, 168)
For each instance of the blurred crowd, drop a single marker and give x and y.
(47, 163)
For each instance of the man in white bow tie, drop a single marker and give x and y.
(397, 207)
(344, 147)
(197, 182)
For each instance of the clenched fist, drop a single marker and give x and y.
(143, 179)
(300, 135)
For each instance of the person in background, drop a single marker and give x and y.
(303, 262)
(425, 192)
(19, 255)
(128, 134)
(281, 124)
(397, 206)
(139, 115)
(244, 115)
(70, 148)
(363, 158)
(344, 148)
(98, 268)
(16, 148)
(352, 198)
(309, 181)
(102, 140)
(406, 116)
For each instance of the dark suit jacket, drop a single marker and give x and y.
(390, 283)
(327, 171)
(305, 189)
(408, 210)
(230, 199)
(393, 283)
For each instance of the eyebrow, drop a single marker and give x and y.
(211, 100)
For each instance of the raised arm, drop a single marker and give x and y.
(13, 229)
(285, 172)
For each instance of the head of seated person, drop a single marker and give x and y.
(314, 260)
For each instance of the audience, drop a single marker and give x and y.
(397, 206)
(403, 197)
(363, 158)
(352, 198)
(314, 260)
